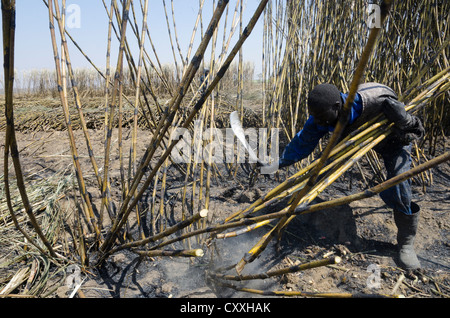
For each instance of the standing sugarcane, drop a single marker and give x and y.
(11, 148)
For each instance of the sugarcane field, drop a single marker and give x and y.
(192, 149)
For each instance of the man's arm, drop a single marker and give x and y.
(395, 112)
(409, 126)
(303, 143)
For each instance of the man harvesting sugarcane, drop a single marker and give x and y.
(325, 102)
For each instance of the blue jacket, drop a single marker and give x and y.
(306, 140)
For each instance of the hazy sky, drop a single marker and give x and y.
(33, 42)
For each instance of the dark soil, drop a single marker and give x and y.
(362, 233)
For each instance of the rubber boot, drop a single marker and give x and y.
(407, 229)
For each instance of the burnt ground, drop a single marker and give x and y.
(361, 233)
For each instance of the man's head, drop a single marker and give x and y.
(324, 104)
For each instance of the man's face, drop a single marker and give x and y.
(325, 116)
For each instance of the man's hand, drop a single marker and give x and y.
(266, 168)
(270, 169)
(395, 112)
(407, 127)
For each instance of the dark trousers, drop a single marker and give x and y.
(397, 159)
